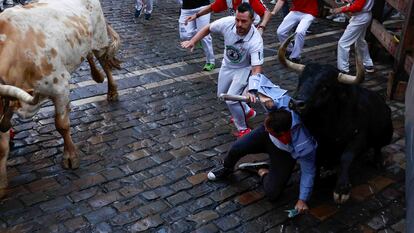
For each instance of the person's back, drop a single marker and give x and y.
(305, 6)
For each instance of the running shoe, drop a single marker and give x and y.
(243, 132)
(250, 115)
(219, 173)
(209, 67)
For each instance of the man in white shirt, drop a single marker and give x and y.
(243, 56)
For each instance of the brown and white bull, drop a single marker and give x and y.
(41, 44)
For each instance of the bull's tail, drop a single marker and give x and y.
(113, 48)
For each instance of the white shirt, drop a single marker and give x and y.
(239, 51)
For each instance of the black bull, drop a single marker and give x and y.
(346, 119)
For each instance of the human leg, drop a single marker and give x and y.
(287, 24)
(281, 167)
(350, 36)
(207, 41)
(252, 143)
(148, 9)
(187, 31)
(305, 22)
(362, 46)
(138, 8)
(239, 109)
(149, 6)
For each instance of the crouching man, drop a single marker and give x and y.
(283, 137)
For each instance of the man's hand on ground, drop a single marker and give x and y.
(301, 206)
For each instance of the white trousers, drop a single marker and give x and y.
(148, 5)
(188, 31)
(354, 33)
(234, 81)
(292, 19)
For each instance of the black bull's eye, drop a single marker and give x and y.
(295, 104)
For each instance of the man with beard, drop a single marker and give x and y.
(243, 56)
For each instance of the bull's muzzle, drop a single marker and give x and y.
(297, 105)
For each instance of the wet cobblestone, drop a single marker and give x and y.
(145, 158)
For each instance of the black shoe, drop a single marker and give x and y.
(254, 167)
(294, 60)
(137, 13)
(369, 69)
(147, 16)
(219, 173)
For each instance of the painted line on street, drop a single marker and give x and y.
(189, 77)
(159, 69)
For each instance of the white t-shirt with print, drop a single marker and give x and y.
(239, 51)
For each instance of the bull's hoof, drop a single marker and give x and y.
(71, 163)
(112, 96)
(340, 198)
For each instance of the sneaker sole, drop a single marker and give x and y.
(211, 176)
(248, 165)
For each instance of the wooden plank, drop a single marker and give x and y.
(399, 5)
(384, 37)
(406, 47)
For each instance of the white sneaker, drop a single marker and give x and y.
(330, 17)
(340, 19)
(273, 2)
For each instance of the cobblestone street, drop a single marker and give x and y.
(144, 158)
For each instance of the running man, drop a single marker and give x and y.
(243, 56)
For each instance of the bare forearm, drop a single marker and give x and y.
(266, 17)
(278, 6)
(204, 11)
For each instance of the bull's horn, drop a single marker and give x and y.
(20, 94)
(360, 74)
(282, 56)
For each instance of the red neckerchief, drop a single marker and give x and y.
(285, 137)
